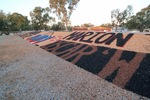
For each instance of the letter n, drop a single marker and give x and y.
(120, 40)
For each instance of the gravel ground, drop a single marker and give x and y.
(28, 72)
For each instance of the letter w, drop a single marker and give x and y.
(125, 70)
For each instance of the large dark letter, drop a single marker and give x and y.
(73, 35)
(107, 34)
(125, 69)
(120, 41)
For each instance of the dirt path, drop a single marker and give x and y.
(28, 72)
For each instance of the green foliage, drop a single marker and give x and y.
(141, 20)
(13, 22)
(106, 25)
(132, 23)
(63, 9)
(58, 27)
(87, 25)
(40, 18)
(18, 22)
(69, 28)
(118, 18)
(3, 21)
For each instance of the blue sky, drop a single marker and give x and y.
(88, 11)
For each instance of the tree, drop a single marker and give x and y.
(13, 22)
(4, 28)
(2, 20)
(106, 25)
(63, 9)
(132, 23)
(40, 18)
(141, 20)
(18, 22)
(87, 25)
(58, 27)
(118, 18)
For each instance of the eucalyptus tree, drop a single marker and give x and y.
(17, 22)
(2, 18)
(141, 20)
(63, 9)
(119, 18)
(40, 17)
(3, 23)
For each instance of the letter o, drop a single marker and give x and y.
(98, 39)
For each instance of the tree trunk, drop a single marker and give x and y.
(66, 26)
(116, 28)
